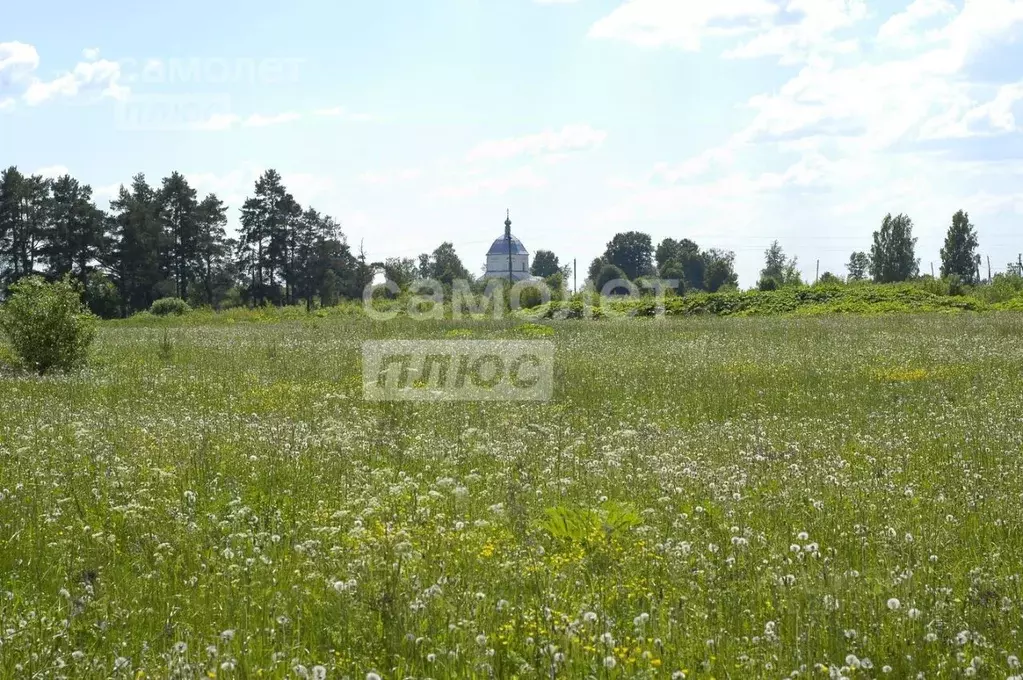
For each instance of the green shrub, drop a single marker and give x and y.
(47, 325)
(168, 306)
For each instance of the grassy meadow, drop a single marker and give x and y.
(834, 496)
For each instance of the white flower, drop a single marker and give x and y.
(913, 613)
(372, 676)
(319, 673)
(1013, 661)
(894, 603)
(227, 635)
(590, 617)
(609, 662)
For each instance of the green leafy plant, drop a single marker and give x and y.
(47, 325)
(169, 306)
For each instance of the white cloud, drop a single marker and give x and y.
(228, 121)
(259, 120)
(904, 29)
(812, 35)
(218, 121)
(90, 53)
(101, 76)
(496, 185)
(17, 60)
(345, 114)
(6, 104)
(677, 23)
(388, 178)
(569, 139)
(235, 186)
(53, 171)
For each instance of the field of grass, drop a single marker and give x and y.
(703, 498)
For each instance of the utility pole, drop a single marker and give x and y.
(575, 277)
(932, 270)
(818, 276)
(988, 267)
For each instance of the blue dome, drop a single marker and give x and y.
(500, 247)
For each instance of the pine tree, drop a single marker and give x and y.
(959, 254)
(268, 219)
(135, 233)
(75, 239)
(892, 256)
(211, 247)
(179, 215)
(24, 215)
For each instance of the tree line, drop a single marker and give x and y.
(162, 240)
(158, 241)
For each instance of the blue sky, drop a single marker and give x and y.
(732, 123)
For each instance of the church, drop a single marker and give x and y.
(499, 261)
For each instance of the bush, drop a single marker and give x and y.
(168, 306)
(47, 324)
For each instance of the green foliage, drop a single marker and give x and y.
(959, 254)
(632, 253)
(608, 274)
(47, 325)
(778, 270)
(584, 525)
(169, 306)
(859, 266)
(892, 257)
(545, 264)
(720, 270)
(829, 279)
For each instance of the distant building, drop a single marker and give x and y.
(498, 259)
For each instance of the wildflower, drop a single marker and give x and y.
(227, 635)
(180, 647)
(227, 665)
(319, 673)
(894, 603)
(609, 662)
(1013, 661)
(913, 613)
(590, 617)
(372, 676)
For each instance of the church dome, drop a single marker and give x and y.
(500, 247)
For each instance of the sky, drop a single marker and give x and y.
(413, 122)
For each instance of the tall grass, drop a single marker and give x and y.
(829, 496)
